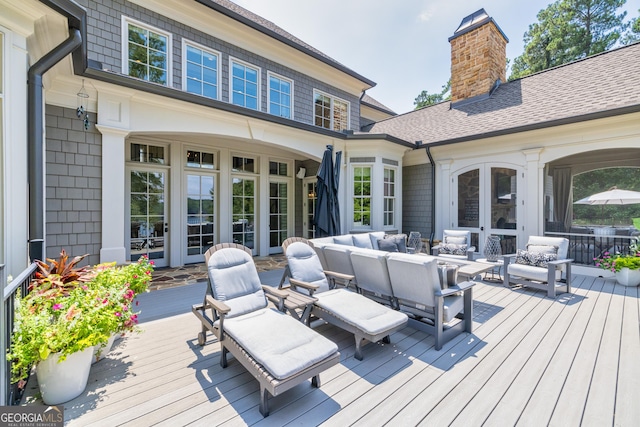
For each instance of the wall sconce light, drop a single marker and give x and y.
(81, 111)
(302, 172)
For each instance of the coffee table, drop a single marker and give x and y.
(468, 269)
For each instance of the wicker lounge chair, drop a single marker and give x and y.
(353, 312)
(279, 351)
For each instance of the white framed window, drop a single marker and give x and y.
(201, 70)
(389, 198)
(147, 153)
(330, 112)
(146, 52)
(362, 196)
(243, 163)
(244, 81)
(280, 95)
(196, 158)
(279, 168)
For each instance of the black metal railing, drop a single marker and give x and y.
(10, 394)
(584, 248)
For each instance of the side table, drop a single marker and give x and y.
(496, 270)
(296, 301)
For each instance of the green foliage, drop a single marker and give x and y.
(425, 98)
(633, 35)
(596, 181)
(65, 316)
(616, 262)
(568, 30)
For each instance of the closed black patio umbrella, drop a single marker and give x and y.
(327, 214)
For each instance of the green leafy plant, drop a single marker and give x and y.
(616, 262)
(71, 308)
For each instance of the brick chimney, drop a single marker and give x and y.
(478, 57)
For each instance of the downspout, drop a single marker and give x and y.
(35, 139)
(433, 192)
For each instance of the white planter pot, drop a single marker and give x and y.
(100, 351)
(628, 277)
(61, 382)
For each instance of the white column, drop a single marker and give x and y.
(113, 194)
(533, 208)
(261, 230)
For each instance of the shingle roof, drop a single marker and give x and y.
(601, 85)
(372, 102)
(267, 27)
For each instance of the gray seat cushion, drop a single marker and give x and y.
(281, 344)
(234, 280)
(360, 311)
(305, 265)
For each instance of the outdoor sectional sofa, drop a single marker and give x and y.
(429, 295)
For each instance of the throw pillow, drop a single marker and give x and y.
(400, 240)
(544, 249)
(362, 241)
(387, 245)
(448, 275)
(345, 239)
(536, 259)
(456, 240)
(453, 249)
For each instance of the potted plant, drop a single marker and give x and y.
(120, 286)
(68, 312)
(625, 267)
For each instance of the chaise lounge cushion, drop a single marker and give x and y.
(303, 264)
(363, 313)
(235, 281)
(282, 345)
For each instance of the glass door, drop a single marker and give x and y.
(200, 225)
(487, 205)
(278, 215)
(244, 211)
(309, 207)
(148, 215)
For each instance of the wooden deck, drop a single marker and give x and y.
(531, 361)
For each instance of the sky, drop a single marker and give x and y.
(402, 45)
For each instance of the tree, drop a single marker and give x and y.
(425, 98)
(568, 30)
(634, 32)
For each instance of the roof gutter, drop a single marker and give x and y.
(433, 192)
(35, 116)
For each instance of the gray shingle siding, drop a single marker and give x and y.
(73, 186)
(104, 45)
(417, 198)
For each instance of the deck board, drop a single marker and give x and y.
(531, 360)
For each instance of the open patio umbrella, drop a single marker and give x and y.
(613, 196)
(327, 214)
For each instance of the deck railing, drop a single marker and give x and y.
(9, 393)
(583, 248)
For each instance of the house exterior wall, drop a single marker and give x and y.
(73, 186)
(528, 153)
(104, 27)
(417, 199)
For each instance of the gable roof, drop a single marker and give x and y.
(270, 29)
(374, 103)
(602, 85)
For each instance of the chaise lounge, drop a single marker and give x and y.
(279, 351)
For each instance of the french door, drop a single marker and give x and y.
(487, 204)
(200, 224)
(278, 214)
(309, 207)
(243, 214)
(148, 223)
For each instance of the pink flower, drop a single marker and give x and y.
(135, 276)
(118, 314)
(105, 301)
(152, 263)
(129, 294)
(57, 307)
(125, 308)
(137, 303)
